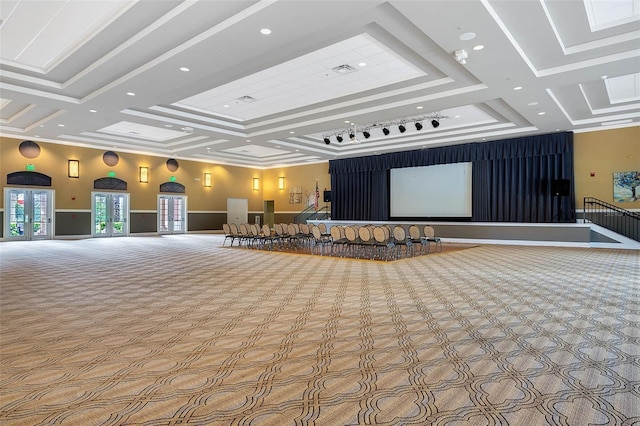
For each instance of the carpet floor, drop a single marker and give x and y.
(178, 330)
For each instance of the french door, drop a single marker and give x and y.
(172, 214)
(28, 214)
(109, 214)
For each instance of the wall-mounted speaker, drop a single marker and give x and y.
(327, 196)
(561, 187)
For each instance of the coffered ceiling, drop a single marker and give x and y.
(275, 83)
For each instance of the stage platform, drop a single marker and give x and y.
(548, 234)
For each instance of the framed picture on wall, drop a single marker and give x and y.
(295, 195)
(626, 186)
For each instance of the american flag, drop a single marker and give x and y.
(317, 196)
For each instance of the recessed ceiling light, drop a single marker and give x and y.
(517, 88)
(467, 36)
(168, 125)
(604, 77)
(347, 121)
(362, 64)
(419, 107)
(130, 94)
(541, 113)
(60, 125)
(265, 31)
(93, 110)
(532, 103)
(478, 47)
(184, 69)
(225, 106)
(456, 116)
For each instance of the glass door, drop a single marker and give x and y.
(29, 214)
(172, 214)
(110, 214)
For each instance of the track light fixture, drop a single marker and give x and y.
(352, 130)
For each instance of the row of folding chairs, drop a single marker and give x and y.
(383, 242)
(282, 236)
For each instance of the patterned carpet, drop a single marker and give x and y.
(178, 330)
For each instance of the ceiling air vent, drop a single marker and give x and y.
(344, 69)
(247, 99)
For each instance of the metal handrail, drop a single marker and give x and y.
(614, 218)
(310, 213)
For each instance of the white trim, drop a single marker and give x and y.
(624, 242)
(517, 242)
(207, 211)
(611, 202)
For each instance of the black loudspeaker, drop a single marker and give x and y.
(561, 187)
(327, 196)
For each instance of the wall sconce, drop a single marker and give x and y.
(207, 180)
(144, 174)
(73, 168)
(256, 184)
(281, 183)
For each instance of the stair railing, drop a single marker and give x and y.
(614, 218)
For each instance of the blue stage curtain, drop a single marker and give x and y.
(360, 194)
(511, 179)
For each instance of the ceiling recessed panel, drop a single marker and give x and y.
(255, 151)
(55, 29)
(142, 131)
(625, 88)
(611, 13)
(354, 65)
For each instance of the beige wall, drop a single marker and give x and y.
(304, 177)
(75, 194)
(603, 153)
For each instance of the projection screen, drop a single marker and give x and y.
(441, 191)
